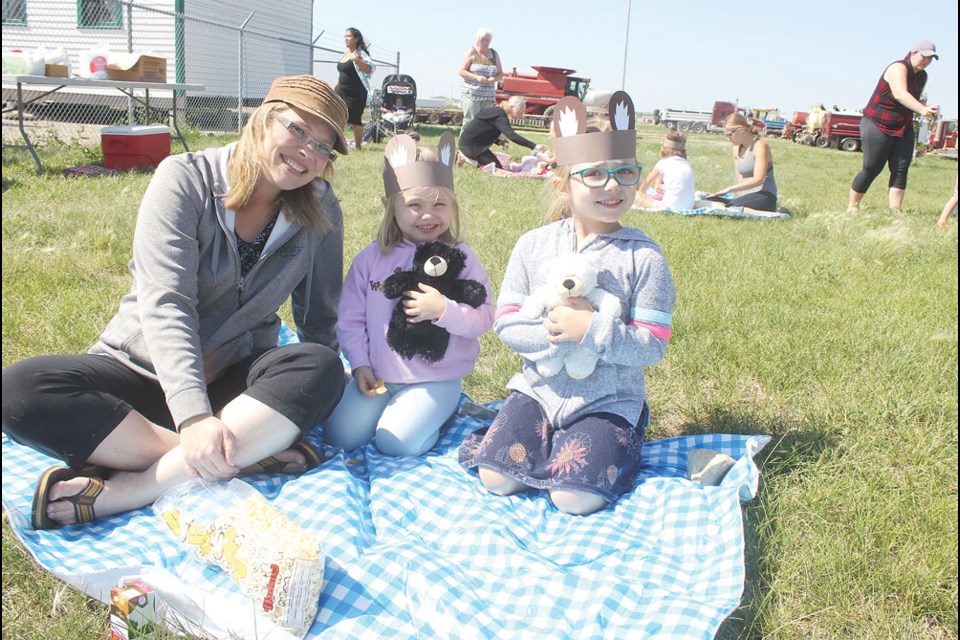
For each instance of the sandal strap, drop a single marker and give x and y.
(83, 501)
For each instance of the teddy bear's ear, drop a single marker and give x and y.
(401, 150)
(620, 110)
(446, 148)
(569, 118)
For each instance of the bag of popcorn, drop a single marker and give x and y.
(232, 526)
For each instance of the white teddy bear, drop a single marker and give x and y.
(569, 276)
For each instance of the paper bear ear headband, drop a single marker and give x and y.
(402, 170)
(571, 143)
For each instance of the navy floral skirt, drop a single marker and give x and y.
(599, 453)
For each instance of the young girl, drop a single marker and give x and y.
(402, 403)
(672, 176)
(580, 439)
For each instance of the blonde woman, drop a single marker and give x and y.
(186, 379)
(756, 186)
(481, 71)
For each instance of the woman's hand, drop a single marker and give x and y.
(367, 381)
(569, 323)
(208, 447)
(426, 304)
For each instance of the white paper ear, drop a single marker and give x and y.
(446, 148)
(400, 150)
(620, 109)
(569, 117)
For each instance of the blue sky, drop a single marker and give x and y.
(681, 54)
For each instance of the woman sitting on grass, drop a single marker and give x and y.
(756, 187)
(187, 379)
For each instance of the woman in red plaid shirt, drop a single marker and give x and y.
(886, 131)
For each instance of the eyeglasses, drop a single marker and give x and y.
(598, 177)
(306, 139)
(732, 132)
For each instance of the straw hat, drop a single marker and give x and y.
(315, 97)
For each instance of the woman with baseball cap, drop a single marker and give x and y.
(886, 130)
(186, 379)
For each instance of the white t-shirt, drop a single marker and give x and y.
(677, 175)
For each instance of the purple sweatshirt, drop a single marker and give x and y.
(364, 315)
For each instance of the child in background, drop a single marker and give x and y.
(672, 177)
(580, 439)
(401, 403)
(948, 208)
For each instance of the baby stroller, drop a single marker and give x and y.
(393, 109)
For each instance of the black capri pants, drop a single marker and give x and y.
(65, 406)
(880, 149)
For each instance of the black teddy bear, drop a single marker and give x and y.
(437, 265)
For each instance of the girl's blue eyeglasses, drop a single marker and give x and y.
(598, 177)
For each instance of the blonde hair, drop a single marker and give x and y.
(737, 120)
(561, 186)
(244, 171)
(389, 234)
(680, 139)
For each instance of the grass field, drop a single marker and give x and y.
(835, 334)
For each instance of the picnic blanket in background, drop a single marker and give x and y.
(716, 212)
(417, 548)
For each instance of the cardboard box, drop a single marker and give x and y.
(137, 146)
(136, 67)
(133, 610)
(56, 70)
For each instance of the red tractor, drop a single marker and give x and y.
(840, 131)
(943, 138)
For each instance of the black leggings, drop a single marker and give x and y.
(483, 158)
(759, 200)
(65, 406)
(880, 149)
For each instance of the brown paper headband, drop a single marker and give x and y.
(402, 170)
(573, 145)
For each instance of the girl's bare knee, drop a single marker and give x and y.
(500, 484)
(577, 503)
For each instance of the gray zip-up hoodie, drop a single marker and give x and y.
(189, 314)
(634, 270)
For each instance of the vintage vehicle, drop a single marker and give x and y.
(773, 122)
(839, 130)
(943, 138)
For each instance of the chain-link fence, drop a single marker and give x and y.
(232, 49)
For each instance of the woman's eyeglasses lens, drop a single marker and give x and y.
(597, 177)
(305, 138)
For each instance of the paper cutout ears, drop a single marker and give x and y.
(402, 170)
(573, 145)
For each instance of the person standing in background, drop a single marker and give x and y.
(481, 71)
(353, 83)
(886, 130)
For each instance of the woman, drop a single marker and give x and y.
(187, 379)
(756, 186)
(886, 130)
(481, 71)
(484, 131)
(353, 85)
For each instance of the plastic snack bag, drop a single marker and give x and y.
(231, 525)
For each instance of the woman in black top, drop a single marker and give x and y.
(353, 84)
(486, 128)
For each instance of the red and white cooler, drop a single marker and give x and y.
(136, 146)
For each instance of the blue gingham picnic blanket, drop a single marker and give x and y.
(718, 212)
(417, 548)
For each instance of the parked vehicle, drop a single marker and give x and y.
(796, 128)
(696, 121)
(541, 91)
(943, 138)
(839, 130)
(773, 122)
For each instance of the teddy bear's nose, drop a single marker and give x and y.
(569, 284)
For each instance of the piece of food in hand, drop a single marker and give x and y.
(381, 389)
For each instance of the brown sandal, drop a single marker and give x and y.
(272, 464)
(82, 502)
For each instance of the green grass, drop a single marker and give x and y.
(837, 335)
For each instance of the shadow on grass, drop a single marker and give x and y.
(790, 451)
